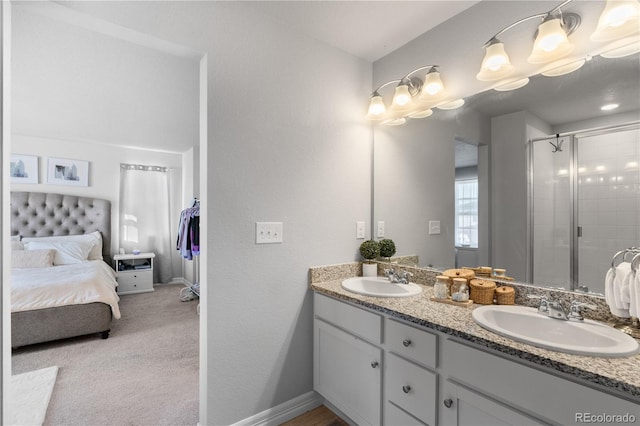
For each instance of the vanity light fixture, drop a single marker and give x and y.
(619, 19)
(413, 98)
(496, 63)
(377, 109)
(551, 43)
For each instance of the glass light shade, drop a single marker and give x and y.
(496, 63)
(402, 99)
(452, 105)
(621, 48)
(620, 18)
(512, 85)
(551, 43)
(563, 67)
(376, 108)
(432, 85)
(421, 114)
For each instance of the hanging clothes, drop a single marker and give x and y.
(189, 232)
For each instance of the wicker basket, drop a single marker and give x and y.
(505, 295)
(458, 273)
(482, 291)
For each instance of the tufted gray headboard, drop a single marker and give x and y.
(39, 214)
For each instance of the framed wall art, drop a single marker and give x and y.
(62, 171)
(24, 168)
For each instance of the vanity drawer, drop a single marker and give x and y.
(394, 416)
(412, 388)
(411, 342)
(364, 324)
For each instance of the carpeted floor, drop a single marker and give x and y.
(145, 373)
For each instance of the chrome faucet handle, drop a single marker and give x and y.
(404, 277)
(575, 310)
(543, 307)
(389, 273)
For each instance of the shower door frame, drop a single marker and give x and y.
(574, 136)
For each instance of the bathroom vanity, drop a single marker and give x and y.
(417, 362)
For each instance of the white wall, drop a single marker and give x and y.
(286, 142)
(93, 86)
(104, 173)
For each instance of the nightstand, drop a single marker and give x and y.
(134, 272)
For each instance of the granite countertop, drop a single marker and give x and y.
(619, 375)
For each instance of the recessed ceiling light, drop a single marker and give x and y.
(609, 107)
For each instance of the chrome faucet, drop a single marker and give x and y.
(401, 277)
(555, 309)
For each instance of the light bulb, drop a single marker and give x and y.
(620, 18)
(376, 107)
(432, 83)
(496, 64)
(551, 43)
(402, 97)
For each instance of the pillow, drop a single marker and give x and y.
(17, 245)
(32, 258)
(15, 238)
(95, 238)
(67, 252)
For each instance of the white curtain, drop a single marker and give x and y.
(145, 215)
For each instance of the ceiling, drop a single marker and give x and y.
(362, 28)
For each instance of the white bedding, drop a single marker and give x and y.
(76, 284)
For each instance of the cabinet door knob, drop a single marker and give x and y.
(448, 402)
(374, 364)
(406, 388)
(406, 343)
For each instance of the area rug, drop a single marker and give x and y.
(29, 396)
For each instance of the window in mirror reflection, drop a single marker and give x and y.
(466, 224)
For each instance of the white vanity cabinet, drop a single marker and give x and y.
(464, 407)
(538, 396)
(380, 370)
(347, 368)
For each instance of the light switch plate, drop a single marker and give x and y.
(380, 232)
(359, 230)
(434, 227)
(268, 232)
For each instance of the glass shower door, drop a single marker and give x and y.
(608, 198)
(551, 211)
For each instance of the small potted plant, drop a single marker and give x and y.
(369, 250)
(387, 248)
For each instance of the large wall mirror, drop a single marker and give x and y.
(538, 181)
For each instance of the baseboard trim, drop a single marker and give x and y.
(286, 411)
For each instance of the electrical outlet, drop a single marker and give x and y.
(268, 232)
(434, 227)
(380, 233)
(359, 230)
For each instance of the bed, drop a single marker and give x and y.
(45, 223)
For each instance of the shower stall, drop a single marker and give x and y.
(584, 205)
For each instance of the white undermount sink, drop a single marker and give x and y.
(380, 287)
(579, 338)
